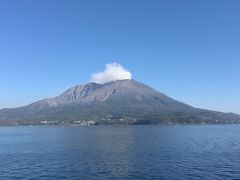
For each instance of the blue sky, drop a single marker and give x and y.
(189, 50)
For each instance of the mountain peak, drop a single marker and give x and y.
(119, 92)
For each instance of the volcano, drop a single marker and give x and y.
(116, 102)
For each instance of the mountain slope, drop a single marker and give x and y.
(116, 102)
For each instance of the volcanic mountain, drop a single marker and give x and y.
(116, 102)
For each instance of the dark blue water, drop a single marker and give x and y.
(125, 152)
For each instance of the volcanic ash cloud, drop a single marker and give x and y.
(112, 72)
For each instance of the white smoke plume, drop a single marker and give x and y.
(112, 72)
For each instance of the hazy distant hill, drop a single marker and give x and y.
(116, 102)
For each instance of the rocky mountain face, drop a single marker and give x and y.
(116, 102)
(122, 91)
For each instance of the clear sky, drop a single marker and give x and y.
(189, 50)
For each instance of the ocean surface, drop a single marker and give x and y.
(120, 152)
